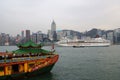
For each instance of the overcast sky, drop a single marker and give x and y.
(80, 15)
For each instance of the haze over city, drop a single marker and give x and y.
(80, 15)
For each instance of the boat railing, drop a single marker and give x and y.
(23, 59)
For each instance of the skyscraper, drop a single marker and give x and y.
(27, 35)
(22, 34)
(53, 31)
(53, 27)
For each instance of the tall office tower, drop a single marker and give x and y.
(27, 35)
(22, 34)
(53, 31)
(53, 27)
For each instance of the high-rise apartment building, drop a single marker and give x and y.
(28, 35)
(37, 37)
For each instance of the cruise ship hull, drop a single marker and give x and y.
(85, 45)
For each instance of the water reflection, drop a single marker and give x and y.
(45, 76)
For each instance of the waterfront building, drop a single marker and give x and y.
(59, 34)
(53, 31)
(110, 36)
(104, 36)
(27, 35)
(12, 40)
(37, 37)
(18, 39)
(49, 35)
(99, 32)
(68, 33)
(34, 37)
(53, 27)
(22, 39)
(7, 39)
(22, 34)
(0, 37)
(3, 39)
(117, 36)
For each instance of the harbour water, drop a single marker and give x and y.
(89, 63)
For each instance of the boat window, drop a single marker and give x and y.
(9, 67)
(0, 57)
(1, 68)
(31, 65)
(15, 68)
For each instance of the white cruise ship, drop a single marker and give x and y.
(91, 42)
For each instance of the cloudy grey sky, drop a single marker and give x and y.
(80, 15)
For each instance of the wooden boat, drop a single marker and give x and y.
(29, 59)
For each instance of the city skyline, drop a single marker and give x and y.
(80, 15)
(20, 32)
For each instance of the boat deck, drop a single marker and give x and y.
(24, 59)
